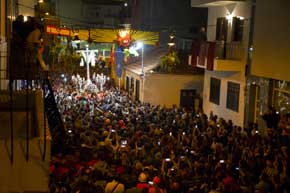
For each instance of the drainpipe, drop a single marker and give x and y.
(249, 63)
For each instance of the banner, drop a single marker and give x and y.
(119, 62)
(111, 35)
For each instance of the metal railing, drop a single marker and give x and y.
(231, 50)
(58, 133)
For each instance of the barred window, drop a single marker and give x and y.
(233, 95)
(215, 86)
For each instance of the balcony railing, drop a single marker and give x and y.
(212, 3)
(228, 51)
(204, 53)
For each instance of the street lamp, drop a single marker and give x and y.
(141, 45)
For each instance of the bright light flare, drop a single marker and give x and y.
(124, 33)
(139, 45)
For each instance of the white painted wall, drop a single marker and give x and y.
(164, 89)
(221, 110)
(242, 9)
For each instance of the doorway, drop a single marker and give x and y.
(254, 103)
(127, 83)
(137, 96)
(187, 98)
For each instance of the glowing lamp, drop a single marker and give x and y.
(229, 16)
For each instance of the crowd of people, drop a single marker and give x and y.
(118, 145)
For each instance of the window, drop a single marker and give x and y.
(233, 96)
(215, 86)
(132, 86)
(221, 29)
(237, 29)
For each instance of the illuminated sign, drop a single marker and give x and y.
(58, 31)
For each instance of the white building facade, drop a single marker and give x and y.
(224, 57)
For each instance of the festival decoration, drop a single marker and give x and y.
(124, 38)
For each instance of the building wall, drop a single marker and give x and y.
(221, 110)
(26, 7)
(2, 19)
(31, 176)
(22, 175)
(70, 12)
(103, 14)
(130, 74)
(164, 89)
(271, 58)
(180, 17)
(88, 14)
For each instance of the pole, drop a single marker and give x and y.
(142, 60)
(119, 83)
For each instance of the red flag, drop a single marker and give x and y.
(112, 55)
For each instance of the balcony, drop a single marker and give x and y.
(218, 56)
(211, 3)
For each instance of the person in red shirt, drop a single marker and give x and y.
(142, 184)
(155, 187)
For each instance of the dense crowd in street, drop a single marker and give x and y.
(117, 145)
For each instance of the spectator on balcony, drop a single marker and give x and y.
(18, 28)
(202, 37)
(34, 44)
